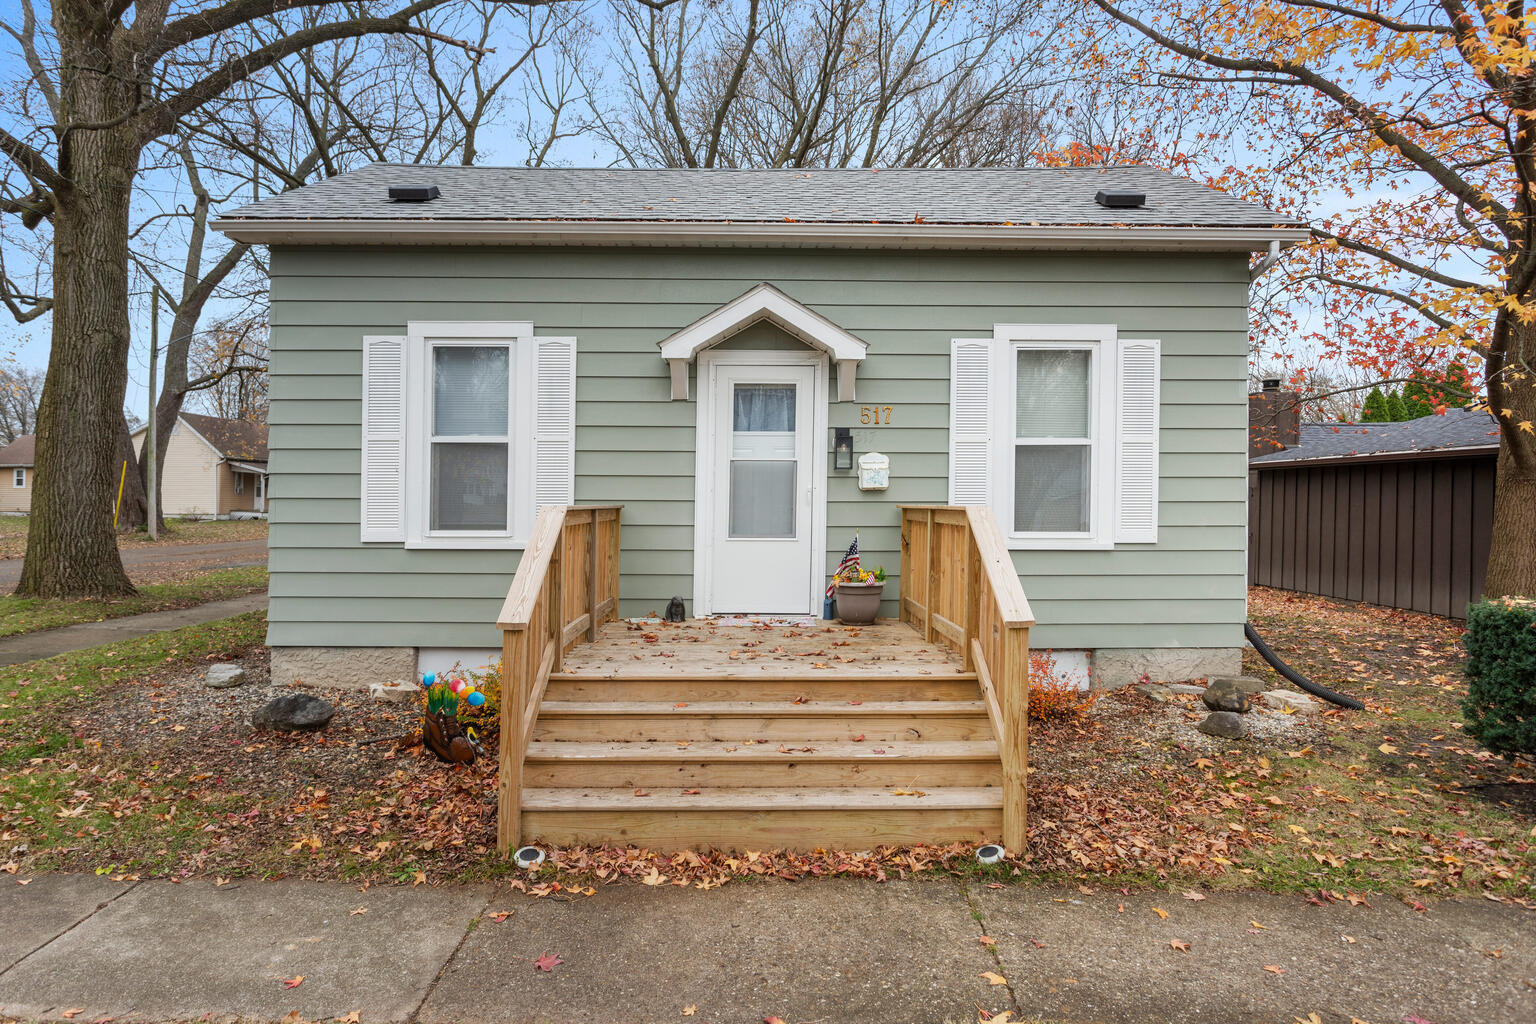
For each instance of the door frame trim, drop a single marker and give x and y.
(704, 464)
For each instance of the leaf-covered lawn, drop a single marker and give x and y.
(31, 614)
(143, 770)
(13, 533)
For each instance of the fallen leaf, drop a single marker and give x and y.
(499, 915)
(294, 982)
(1256, 924)
(359, 910)
(71, 1014)
(773, 1020)
(1387, 748)
(1179, 944)
(352, 1018)
(690, 1009)
(986, 940)
(548, 962)
(993, 978)
(1274, 968)
(1160, 912)
(1193, 896)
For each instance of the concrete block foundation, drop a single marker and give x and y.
(1113, 667)
(345, 667)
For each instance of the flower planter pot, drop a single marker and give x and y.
(858, 603)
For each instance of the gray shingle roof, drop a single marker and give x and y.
(19, 452)
(1458, 428)
(979, 196)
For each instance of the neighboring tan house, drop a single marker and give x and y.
(214, 467)
(16, 475)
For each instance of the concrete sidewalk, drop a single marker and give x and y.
(51, 642)
(832, 951)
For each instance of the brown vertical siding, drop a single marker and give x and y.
(1409, 534)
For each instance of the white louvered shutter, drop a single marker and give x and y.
(554, 421)
(970, 446)
(1136, 450)
(383, 471)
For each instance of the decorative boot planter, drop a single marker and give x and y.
(859, 603)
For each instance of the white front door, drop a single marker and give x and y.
(762, 493)
(261, 492)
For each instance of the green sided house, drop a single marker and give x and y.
(442, 368)
(1058, 354)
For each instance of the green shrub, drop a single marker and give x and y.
(1501, 675)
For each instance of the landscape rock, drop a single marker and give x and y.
(1247, 684)
(1290, 698)
(223, 676)
(1156, 691)
(1185, 689)
(398, 692)
(294, 712)
(1223, 695)
(1227, 725)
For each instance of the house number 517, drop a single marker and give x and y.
(875, 414)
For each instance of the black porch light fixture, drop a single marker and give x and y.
(842, 449)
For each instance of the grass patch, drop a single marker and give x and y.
(13, 533)
(32, 614)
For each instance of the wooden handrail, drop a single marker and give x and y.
(567, 584)
(959, 586)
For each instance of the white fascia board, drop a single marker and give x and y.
(675, 233)
(763, 302)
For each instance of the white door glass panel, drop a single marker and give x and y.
(470, 385)
(762, 499)
(762, 485)
(1053, 395)
(760, 556)
(469, 486)
(1050, 488)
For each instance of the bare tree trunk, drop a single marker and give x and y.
(1512, 553)
(71, 549)
(134, 511)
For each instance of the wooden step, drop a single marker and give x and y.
(660, 686)
(713, 763)
(763, 818)
(775, 721)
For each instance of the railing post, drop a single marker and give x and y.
(592, 579)
(933, 585)
(509, 797)
(556, 615)
(1012, 682)
(971, 577)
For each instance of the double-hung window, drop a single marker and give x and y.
(470, 440)
(1054, 439)
(468, 428)
(19, 478)
(1055, 426)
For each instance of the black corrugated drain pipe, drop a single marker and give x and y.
(1296, 677)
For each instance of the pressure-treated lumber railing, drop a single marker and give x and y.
(959, 586)
(567, 584)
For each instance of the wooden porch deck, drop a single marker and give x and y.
(763, 733)
(767, 648)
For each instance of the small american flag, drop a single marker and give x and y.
(850, 558)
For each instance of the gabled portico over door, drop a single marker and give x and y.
(761, 451)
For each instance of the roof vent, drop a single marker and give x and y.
(1271, 383)
(413, 193)
(1120, 200)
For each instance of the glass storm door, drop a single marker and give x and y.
(762, 490)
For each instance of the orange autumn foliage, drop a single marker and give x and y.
(1052, 696)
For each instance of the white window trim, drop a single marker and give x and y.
(240, 483)
(421, 338)
(19, 477)
(1102, 341)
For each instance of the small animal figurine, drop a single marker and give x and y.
(676, 610)
(441, 732)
